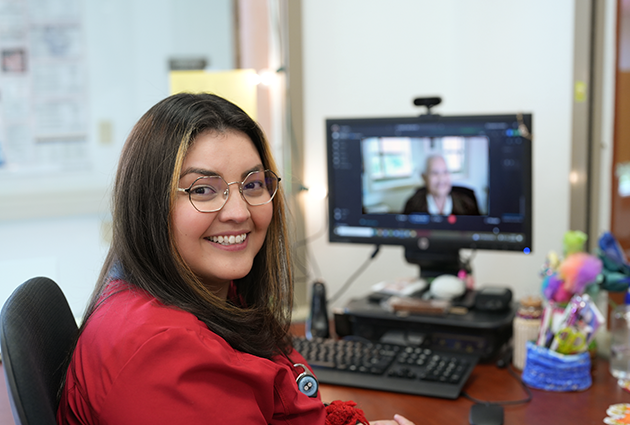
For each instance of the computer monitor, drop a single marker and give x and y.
(432, 184)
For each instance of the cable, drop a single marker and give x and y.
(509, 402)
(356, 274)
(309, 257)
(278, 24)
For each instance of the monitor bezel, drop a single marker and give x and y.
(428, 243)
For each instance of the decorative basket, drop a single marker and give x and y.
(552, 371)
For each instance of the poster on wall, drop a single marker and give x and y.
(43, 87)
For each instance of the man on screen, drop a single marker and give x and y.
(438, 196)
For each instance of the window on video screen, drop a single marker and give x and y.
(437, 175)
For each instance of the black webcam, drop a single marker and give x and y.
(428, 102)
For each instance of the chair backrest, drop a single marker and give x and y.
(37, 332)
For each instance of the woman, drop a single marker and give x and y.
(189, 320)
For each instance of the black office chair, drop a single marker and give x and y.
(37, 332)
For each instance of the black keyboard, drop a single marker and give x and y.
(387, 367)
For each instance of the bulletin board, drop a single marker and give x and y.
(43, 120)
(44, 103)
(71, 90)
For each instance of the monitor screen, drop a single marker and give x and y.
(433, 184)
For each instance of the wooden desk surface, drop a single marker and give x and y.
(487, 382)
(490, 383)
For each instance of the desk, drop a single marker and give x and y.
(487, 382)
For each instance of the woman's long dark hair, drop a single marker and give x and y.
(143, 247)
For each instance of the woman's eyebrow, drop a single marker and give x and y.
(201, 171)
(258, 167)
(205, 172)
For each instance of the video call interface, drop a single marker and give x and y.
(464, 178)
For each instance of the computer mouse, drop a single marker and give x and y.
(486, 414)
(447, 287)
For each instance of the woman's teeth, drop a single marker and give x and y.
(228, 240)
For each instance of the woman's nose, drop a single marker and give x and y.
(235, 207)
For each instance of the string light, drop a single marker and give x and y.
(264, 77)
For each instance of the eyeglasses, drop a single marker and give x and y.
(210, 193)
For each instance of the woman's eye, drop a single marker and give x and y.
(253, 185)
(203, 191)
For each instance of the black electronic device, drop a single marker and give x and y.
(317, 325)
(375, 168)
(387, 367)
(493, 298)
(482, 333)
(486, 414)
(428, 102)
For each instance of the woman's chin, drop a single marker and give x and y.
(223, 279)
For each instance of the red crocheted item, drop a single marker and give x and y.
(344, 413)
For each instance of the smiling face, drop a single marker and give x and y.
(220, 246)
(437, 178)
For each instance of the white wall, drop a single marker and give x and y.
(69, 250)
(371, 58)
(128, 44)
(361, 58)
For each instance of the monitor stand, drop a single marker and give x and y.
(434, 263)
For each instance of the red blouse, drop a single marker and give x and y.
(138, 361)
